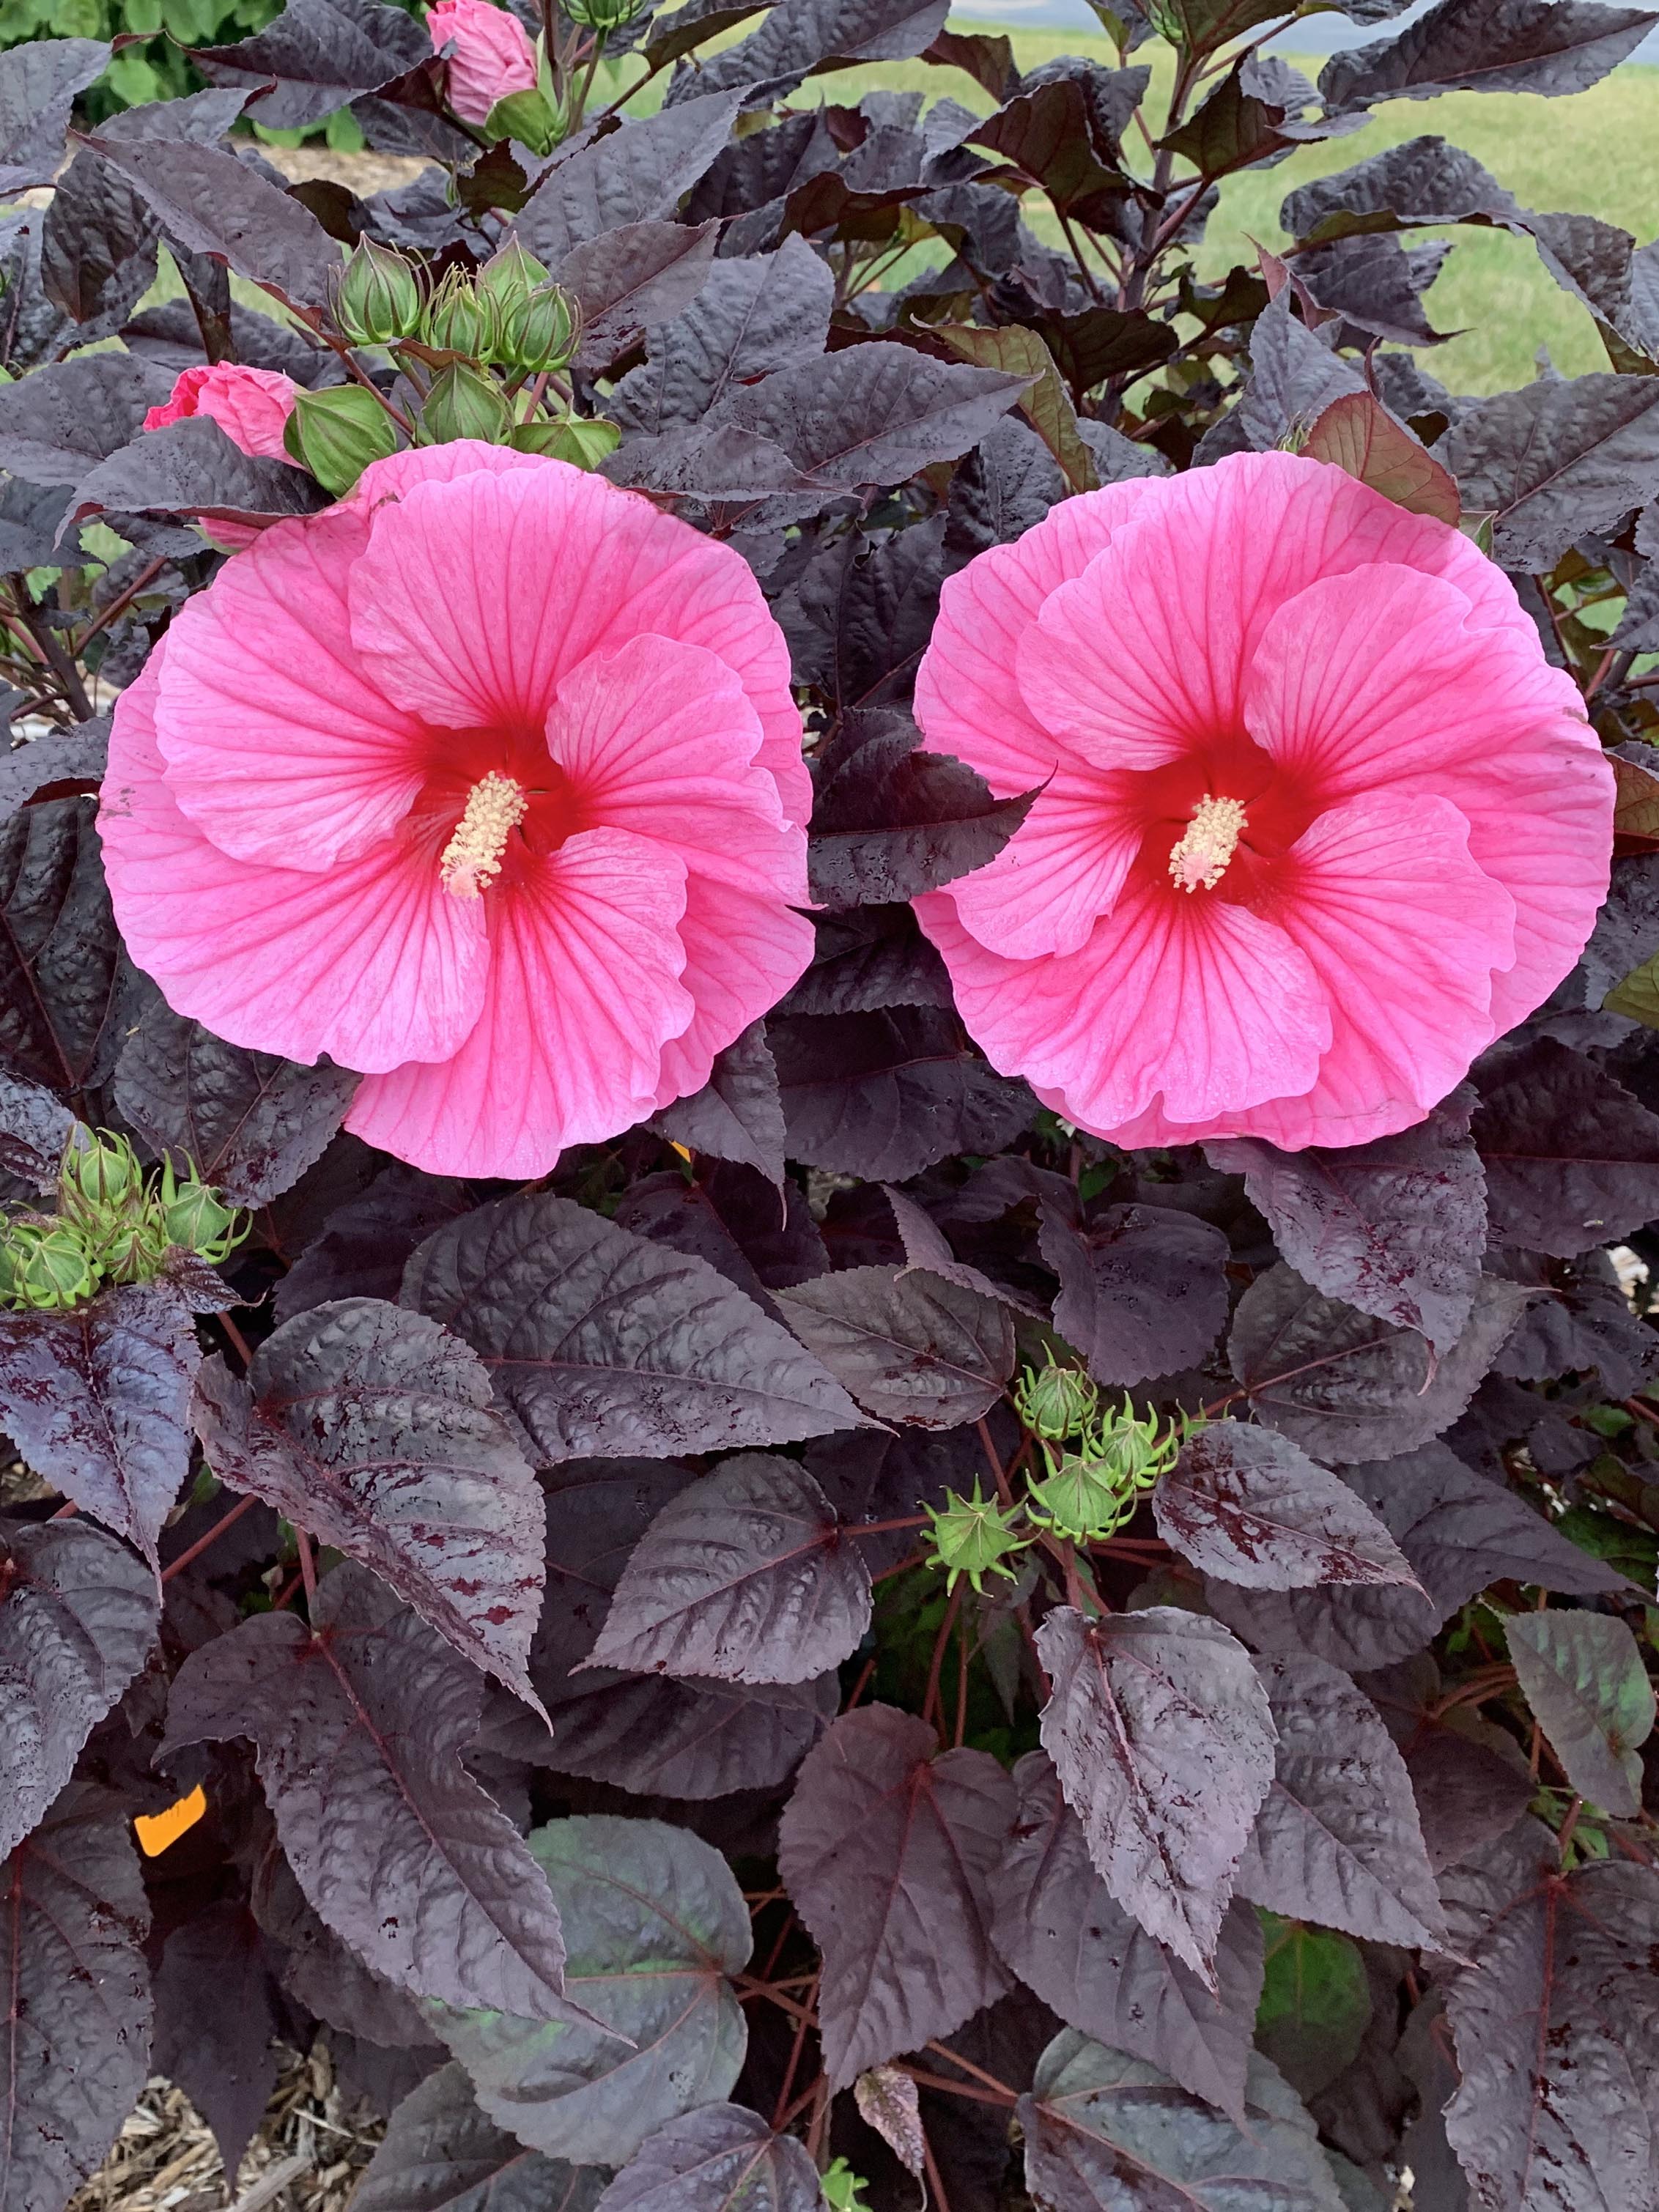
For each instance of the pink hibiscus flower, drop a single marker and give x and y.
(486, 783)
(1318, 820)
(251, 405)
(492, 59)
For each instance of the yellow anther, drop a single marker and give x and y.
(472, 859)
(1197, 861)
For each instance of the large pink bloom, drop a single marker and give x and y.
(491, 55)
(486, 783)
(1318, 820)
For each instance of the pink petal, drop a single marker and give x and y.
(660, 738)
(279, 743)
(967, 701)
(1197, 1003)
(477, 597)
(1062, 869)
(371, 962)
(742, 954)
(462, 457)
(584, 991)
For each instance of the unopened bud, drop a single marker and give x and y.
(531, 118)
(579, 439)
(335, 433)
(603, 15)
(540, 332)
(45, 1267)
(100, 1171)
(459, 319)
(199, 1219)
(465, 403)
(1055, 1402)
(377, 297)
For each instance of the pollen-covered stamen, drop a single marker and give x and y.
(1198, 859)
(472, 860)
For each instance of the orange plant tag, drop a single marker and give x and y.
(155, 1831)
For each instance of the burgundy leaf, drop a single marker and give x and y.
(759, 1237)
(1555, 2027)
(927, 1248)
(77, 1618)
(1142, 1289)
(1348, 1386)
(1164, 1742)
(97, 1398)
(737, 1116)
(372, 1428)
(214, 2021)
(1468, 1775)
(632, 175)
(1338, 1840)
(316, 56)
(1064, 1934)
(441, 2153)
(192, 468)
(747, 1576)
(321, 1971)
(891, 2103)
(643, 273)
(887, 1848)
(1488, 46)
(1248, 1505)
(717, 2159)
(601, 1342)
(1572, 1160)
(68, 416)
(1396, 1227)
(366, 1246)
(358, 1723)
(75, 2002)
(1584, 1676)
(36, 1129)
(908, 1345)
(63, 974)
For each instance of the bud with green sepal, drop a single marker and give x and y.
(45, 1266)
(465, 403)
(973, 1536)
(460, 319)
(377, 296)
(337, 433)
(1055, 1402)
(98, 1173)
(604, 15)
(1089, 1493)
(582, 441)
(198, 1219)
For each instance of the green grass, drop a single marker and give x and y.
(1591, 154)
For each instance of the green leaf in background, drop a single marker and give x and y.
(1638, 996)
(1582, 1676)
(1315, 2001)
(1634, 1551)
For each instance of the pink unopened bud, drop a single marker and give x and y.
(491, 58)
(251, 405)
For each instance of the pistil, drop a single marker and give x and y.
(1197, 861)
(472, 860)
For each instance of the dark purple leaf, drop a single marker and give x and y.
(192, 468)
(249, 1122)
(670, 36)
(655, 1924)
(316, 56)
(1295, 375)
(77, 1618)
(1489, 46)
(214, 2021)
(1060, 1929)
(35, 1130)
(1338, 1840)
(1584, 1676)
(747, 1576)
(38, 79)
(884, 1095)
(214, 204)
(1044, 135)
(988, 59)
(635, 175)
(321, 1971)
(1554, 460)
(718, 2160)
(927, 1247)
(858, 617)
(868, 1477)
(1423, 181)
(642, 1733)
(1468, 1775)
(75, 2002)
(1105, 2132)
(865, 959)
(441, 2153)
(1459, 1530)
(1572, 1160)
(908, 1345)
(799, 36)
(891, 2103)
(1583, 1324)
(1249, 1506)
(1142, 1289)
(1004, 486)
(1396, 1227)
(644, 272)
(601, 1342)
(97, 1399)
(358, 1725)
(759, 1237)
(364, 1249)
(888, 1848)
(1348, 1386)
(737, 1116)
(77, 758)
(1603, 265)
(1554, 2027)
(890, 822)
(62, 970)
(64, 418)
(1161, 1735)
(372, 1428)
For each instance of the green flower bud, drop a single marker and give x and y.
(603, 16)
(530, 117)
(377, 297)
(199, 1219)
(1055, 1402)
(972, 1536)
(98, 1173)
(459, 319)
(1089, 1494)
(45, 1266)
(540, 332)
(581, 441)
(335, 433)
(511, 275)
(465, 403)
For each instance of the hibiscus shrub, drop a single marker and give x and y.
(830, 1117)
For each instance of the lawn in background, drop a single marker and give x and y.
(1592, 154)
